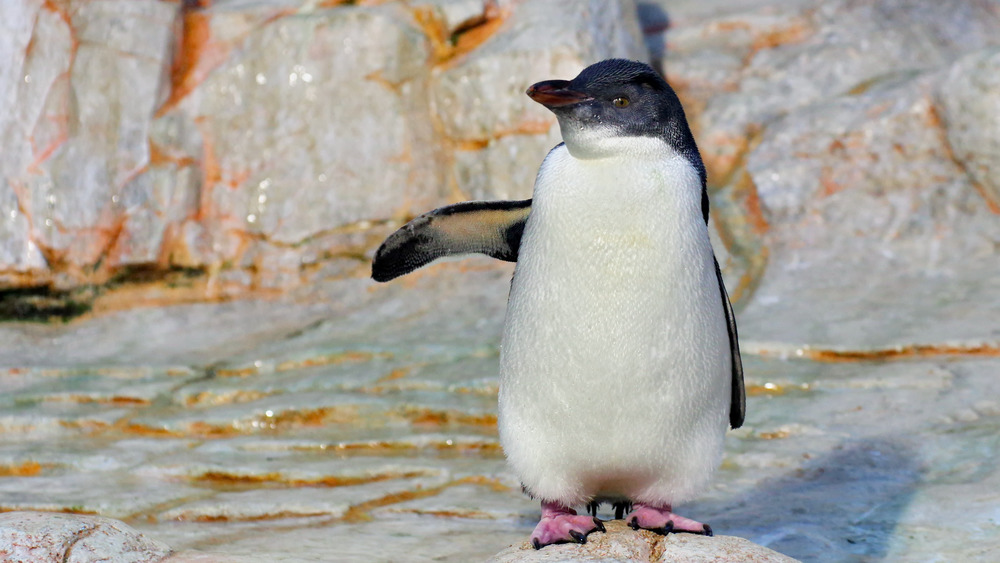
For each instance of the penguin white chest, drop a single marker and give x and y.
(615, 362)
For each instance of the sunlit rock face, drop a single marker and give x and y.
(845, 133)
(254, 140)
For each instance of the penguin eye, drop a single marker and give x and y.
(620, 102)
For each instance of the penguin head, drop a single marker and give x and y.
(616, 107)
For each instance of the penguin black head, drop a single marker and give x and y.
(614, 100)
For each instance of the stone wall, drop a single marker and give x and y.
(253, 140)
(267, 144)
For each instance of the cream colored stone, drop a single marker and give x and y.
(27, 537)
(621, 544)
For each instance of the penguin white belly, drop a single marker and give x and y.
(615, 365)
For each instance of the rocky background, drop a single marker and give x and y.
(192, 190)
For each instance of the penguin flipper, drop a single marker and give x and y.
(493, 228)
(738, 404)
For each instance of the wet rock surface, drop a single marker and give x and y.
(374, 432)
(240, 391)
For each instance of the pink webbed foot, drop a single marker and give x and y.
(560, 524)
(661, 520)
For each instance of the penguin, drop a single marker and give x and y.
(620, 367)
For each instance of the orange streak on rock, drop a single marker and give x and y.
(226, 479)
(194, 58)
(435, 30)
(748, 279)
(752, 204)
(433, 417)
(215, 398)
(149, 431)
(26, 469)
(116, 400)
(326, 360)
(158, 157)
(61, 120)
(795, 33)
(60, 10)
(475, 34)
(902, 352)
(907, 352)
(530, 127)
(210, 170)
(934, 119)
(992, 204)
(828, 184)
(359, 512)
(382, 447)
(256, 518)
(43, 154)
(393, 375)
(446, 45)
(757, 390)
(347, 414)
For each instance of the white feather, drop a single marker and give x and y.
(615, 365)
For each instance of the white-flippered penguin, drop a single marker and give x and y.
(619, 367)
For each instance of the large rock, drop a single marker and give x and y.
(261, 142)
(498, 134)
(621, 543)
(81, 83)
(843, 139)
(970, 97)
(31, 537)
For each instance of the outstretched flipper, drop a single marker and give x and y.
(492, 228)
(738, 404)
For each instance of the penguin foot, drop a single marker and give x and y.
(661, 520)
(560, 524)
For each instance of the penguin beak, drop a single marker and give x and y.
(556, 94)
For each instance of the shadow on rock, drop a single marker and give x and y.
(654, 21)
(841, 506)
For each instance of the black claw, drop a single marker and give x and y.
(706, 531)
(634, 524)
(666, 529)
(592, 508)
(580, 538)
(535, 543)
(599, 526)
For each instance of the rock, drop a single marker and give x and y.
(970, 96)
(499, 135)
(831, 132)
(621, 543)
(82, 83)
(864, 187)
(258, 142)
(763, 62)
(28, 537)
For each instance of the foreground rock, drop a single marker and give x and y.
(621, 543)
(73, 538)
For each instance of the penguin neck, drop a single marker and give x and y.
(596, 142)
(645, 175)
